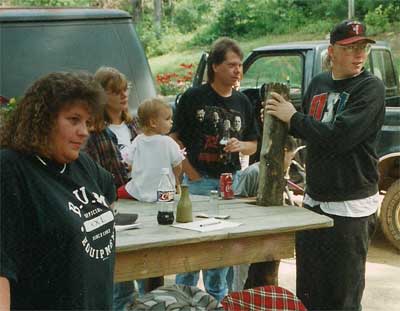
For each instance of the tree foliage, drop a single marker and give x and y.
(188, 22)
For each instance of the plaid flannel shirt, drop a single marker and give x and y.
(266, 298)
(103, 148)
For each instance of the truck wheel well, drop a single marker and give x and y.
(389, 172)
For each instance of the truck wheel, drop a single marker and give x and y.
(390, 214)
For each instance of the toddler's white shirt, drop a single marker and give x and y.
(148, 155)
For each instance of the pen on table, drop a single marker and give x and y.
(210, 223)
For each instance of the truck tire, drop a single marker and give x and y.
(390, 214)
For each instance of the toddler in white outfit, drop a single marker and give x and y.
(152, 151)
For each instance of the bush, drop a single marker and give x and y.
(205, 36)
(189, 15)
(377, 20)
(320, 26)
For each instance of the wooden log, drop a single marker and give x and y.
(271, 181)
(271, 178)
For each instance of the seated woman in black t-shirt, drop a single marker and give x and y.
(57, 237)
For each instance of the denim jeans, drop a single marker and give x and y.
(246, 184)
(237, 276)
(215, 280)
(123, 295)
(204, 185)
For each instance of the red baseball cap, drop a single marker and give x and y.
(348, 32)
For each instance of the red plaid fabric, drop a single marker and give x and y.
(266, 298)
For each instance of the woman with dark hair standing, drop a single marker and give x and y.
(57, 228)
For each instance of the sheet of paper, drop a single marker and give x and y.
(128, 227)
(206, 225)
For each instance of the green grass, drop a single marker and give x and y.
(170, 62)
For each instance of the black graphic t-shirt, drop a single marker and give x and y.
(57, 233)
(204, 121)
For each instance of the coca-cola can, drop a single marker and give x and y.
(225, 186)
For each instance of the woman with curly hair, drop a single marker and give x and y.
(57, 228)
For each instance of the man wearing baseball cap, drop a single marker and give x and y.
(343, 111)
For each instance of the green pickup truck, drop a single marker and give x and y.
(296, 63)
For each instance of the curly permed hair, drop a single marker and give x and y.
(28, 128)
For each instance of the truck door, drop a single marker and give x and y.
(381, 65)
(274, 67)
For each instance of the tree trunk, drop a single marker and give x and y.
(157, 17)
(271, 182)
(137, 8)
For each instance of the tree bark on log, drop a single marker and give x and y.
(271, 182)
(271, 178)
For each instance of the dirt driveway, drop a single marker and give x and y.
(382, 289)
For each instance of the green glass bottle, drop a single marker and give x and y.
(184, 208)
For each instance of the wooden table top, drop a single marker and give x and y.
(256, 221)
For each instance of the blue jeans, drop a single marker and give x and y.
(124, 294)
(247, 181)
(237, 276)
(215, 280)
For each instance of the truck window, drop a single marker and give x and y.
(383, 68)
(69, 46)
(276, 68)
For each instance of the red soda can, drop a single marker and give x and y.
(225, 186)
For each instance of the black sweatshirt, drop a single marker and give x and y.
(340, 122)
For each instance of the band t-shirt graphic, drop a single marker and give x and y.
(324, 107)
(205, 122)
(217, 127)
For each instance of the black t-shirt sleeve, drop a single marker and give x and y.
(182, 113)
(252, 131)
(11, 218)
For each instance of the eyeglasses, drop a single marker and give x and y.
(355, 48)
(122, 91)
